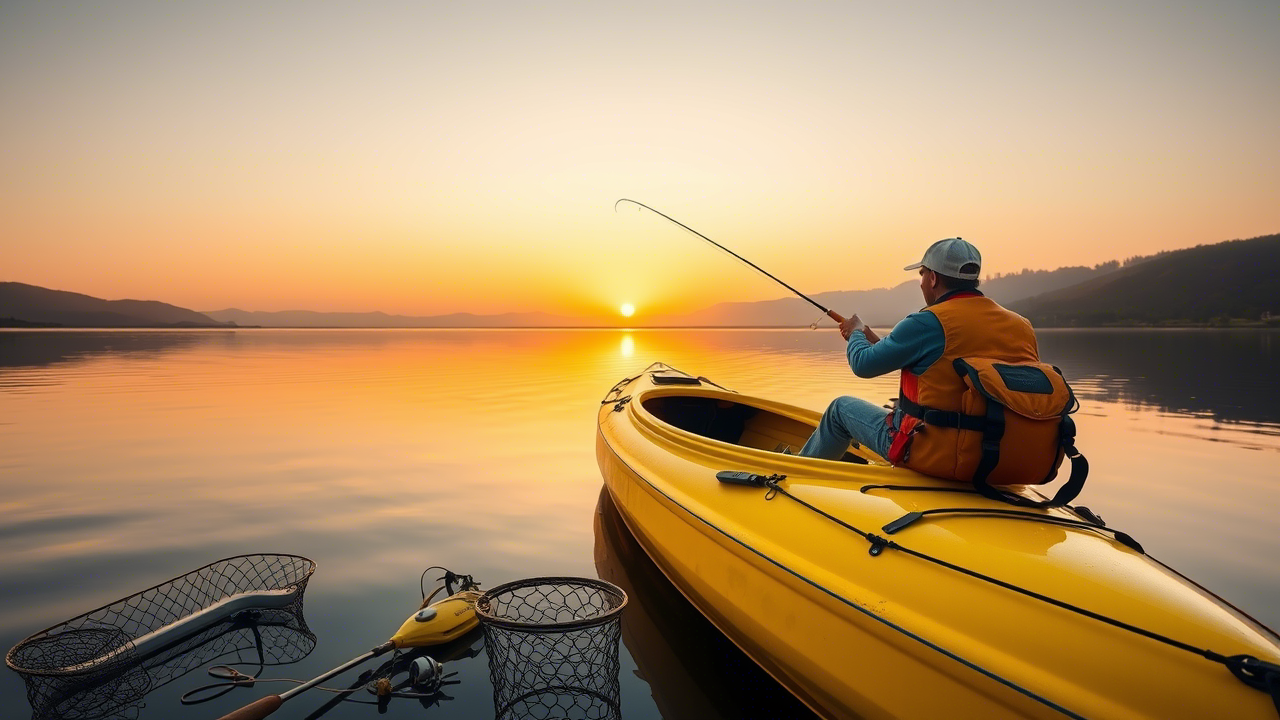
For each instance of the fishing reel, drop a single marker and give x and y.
(426, 678)
(425, 674)
(450, 579)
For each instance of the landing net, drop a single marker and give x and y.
(553, 647)
(101, 663)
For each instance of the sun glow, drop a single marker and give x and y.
(627, 310)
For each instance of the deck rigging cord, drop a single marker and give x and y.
(1256, 673)
(829, 313)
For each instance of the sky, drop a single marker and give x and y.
(423, 158)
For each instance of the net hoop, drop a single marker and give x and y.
(491, 606)
(286, 574)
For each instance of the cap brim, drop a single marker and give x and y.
(913, 267)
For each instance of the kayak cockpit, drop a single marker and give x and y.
(735, 423)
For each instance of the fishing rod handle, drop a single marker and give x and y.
(255, 710)
(835, 316)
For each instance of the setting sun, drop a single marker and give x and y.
(627, 310)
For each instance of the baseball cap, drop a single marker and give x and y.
(946, 257)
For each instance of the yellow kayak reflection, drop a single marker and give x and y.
(693, 670)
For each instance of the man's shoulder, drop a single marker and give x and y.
(921, 321)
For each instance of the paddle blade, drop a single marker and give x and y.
(439, 622)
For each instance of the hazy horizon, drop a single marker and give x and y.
(597, 321)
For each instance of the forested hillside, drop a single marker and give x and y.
(1226, 283)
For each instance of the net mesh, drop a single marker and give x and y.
(553, 648)
(100, 664)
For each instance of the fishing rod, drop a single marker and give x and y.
(433, 624)
(830, 313)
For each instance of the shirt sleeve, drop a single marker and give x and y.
(915, 343)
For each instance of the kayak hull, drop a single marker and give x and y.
(856, 634)
(798, 633)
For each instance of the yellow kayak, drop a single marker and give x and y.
(871, 591)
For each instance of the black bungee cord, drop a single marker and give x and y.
(1254, 672)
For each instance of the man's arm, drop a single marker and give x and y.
(853, 322)
(917, 340)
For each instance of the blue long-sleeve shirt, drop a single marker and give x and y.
(914, 344)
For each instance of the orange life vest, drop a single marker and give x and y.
(954, 422)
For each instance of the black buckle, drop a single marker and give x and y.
(939, 417)
(878, 544)
(1253, 672)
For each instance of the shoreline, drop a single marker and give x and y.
(1240, 325)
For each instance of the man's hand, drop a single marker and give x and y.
(851, 324)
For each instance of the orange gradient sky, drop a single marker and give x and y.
(425, 159)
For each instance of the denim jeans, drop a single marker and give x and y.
(849, 418)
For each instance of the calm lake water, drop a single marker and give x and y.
(129, 457)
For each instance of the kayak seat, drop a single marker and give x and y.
(735, 423)
(766, 431)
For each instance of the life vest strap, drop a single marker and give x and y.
(948, 418)
(992, 431)
(1068, 492)
(942, 418)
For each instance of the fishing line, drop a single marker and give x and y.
(829, 313)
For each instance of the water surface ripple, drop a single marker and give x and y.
(128, 457)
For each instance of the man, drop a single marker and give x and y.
(958, 322)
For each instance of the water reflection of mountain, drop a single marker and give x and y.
(43, 348)
(693, 670)
(1224, 374)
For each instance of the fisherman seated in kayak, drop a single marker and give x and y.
(964, 360)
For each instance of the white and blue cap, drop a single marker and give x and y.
(950, 257)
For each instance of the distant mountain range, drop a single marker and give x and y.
(1225, 283)
(880, 307)
(883, 306)
(23, 305)
(308, 318)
